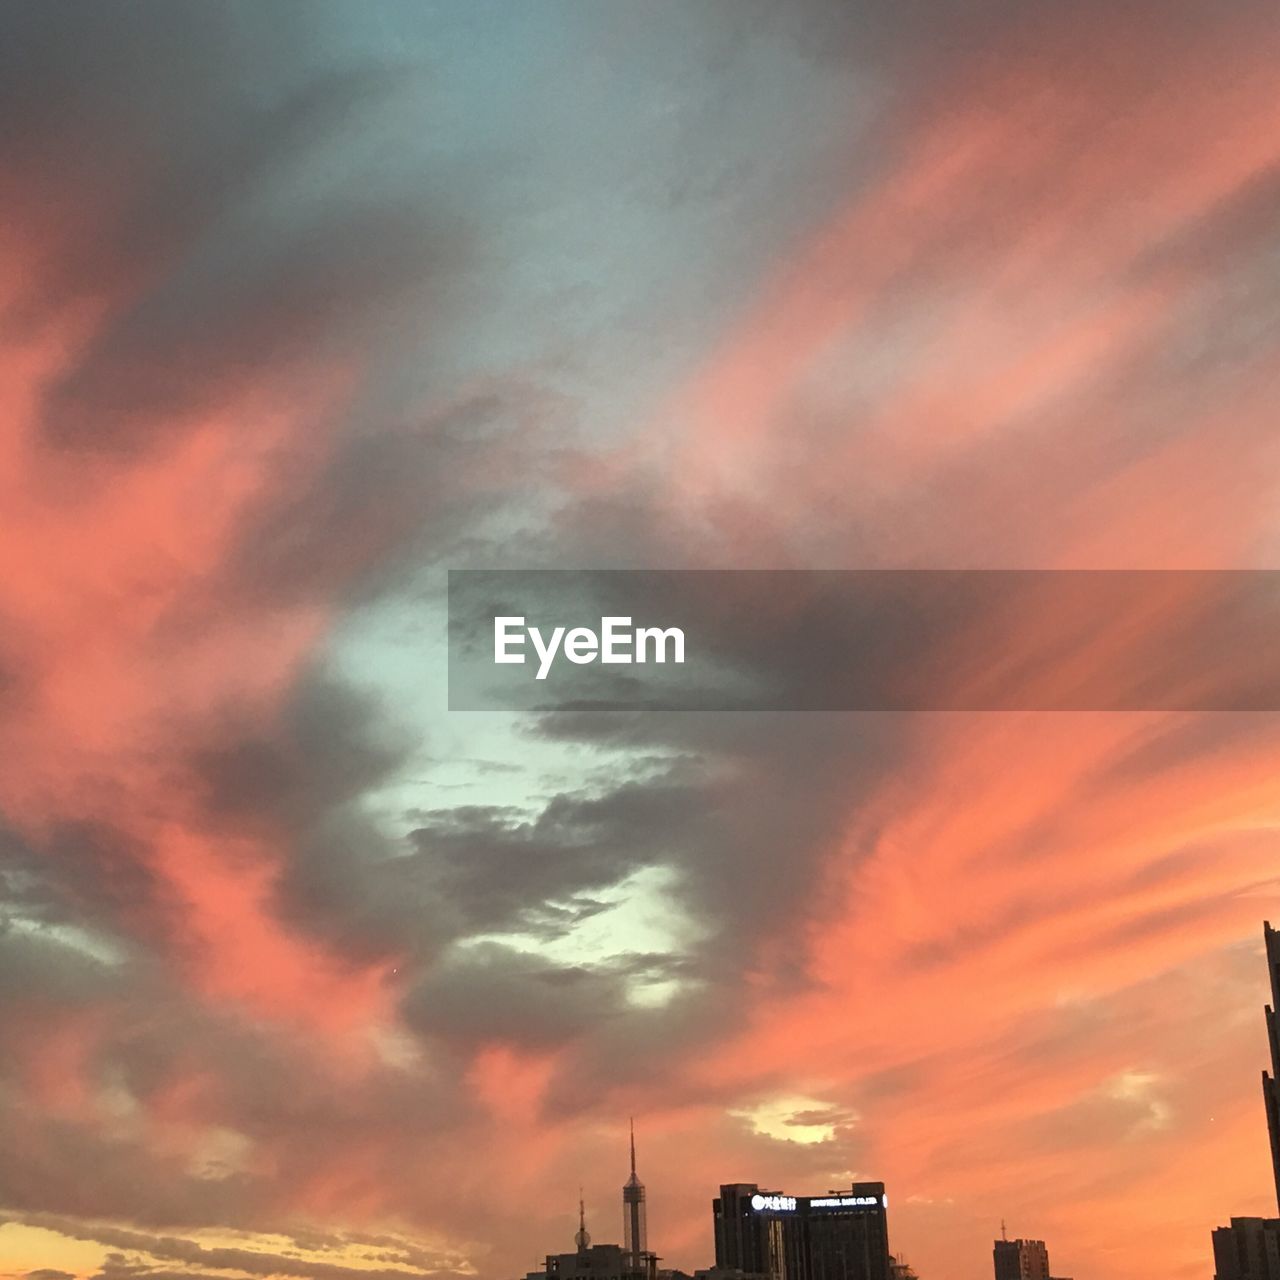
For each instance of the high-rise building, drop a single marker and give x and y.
(634, 1229)
(1249, 1249)
(842, 1235)
(1270, 1087)
(743, 1237)
(1021, 1260)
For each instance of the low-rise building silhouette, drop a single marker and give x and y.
(596, 1261)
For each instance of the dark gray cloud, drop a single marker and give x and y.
(240, 313)
(330, 744)
(209, 176)
(818, 767)
(493, 994)
(404, 489)
(196, 108)
(494, 869)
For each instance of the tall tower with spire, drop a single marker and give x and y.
(635, 1241)
(582, 1237)
(1270, 1079)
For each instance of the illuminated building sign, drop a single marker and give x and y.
(776, 1204)
(766, 1203)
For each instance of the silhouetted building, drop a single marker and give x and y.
(595, 1261)
(742, 1236)
(1021, 1260)
(1249, 1249)
(726, 1273)
(843, 1235)
(1270, 1088)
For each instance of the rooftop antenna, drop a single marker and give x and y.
(632, 1121)
(582, 1238)
(1004, 1235)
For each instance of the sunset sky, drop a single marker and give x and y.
(303, 303)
